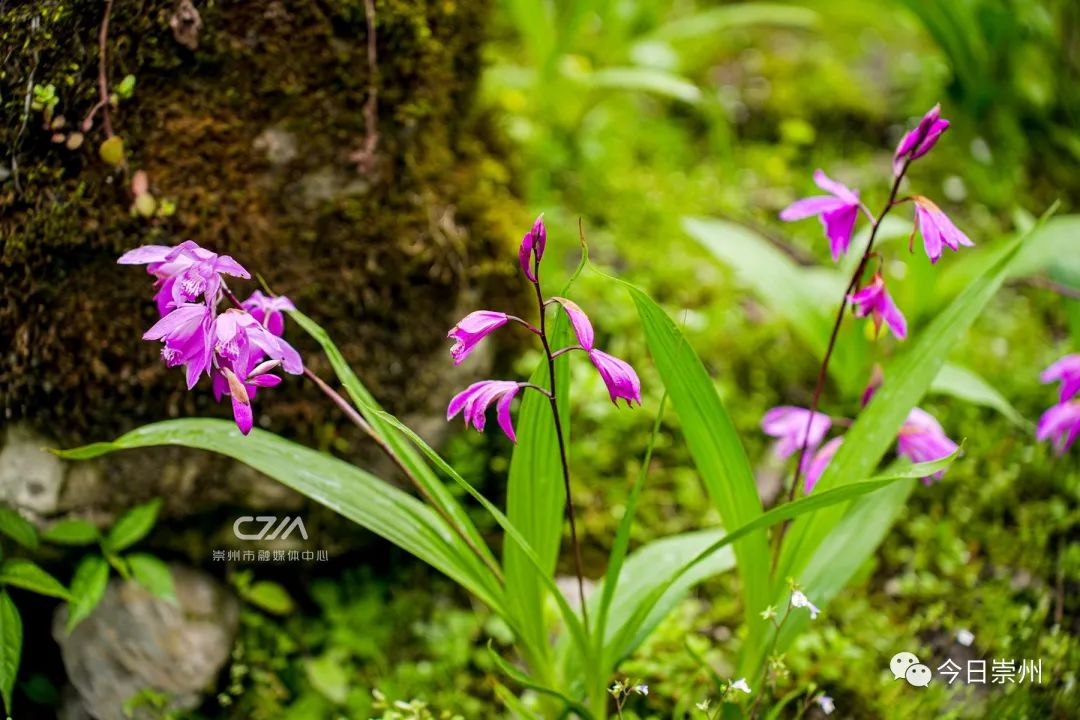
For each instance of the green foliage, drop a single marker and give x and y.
(87, 588)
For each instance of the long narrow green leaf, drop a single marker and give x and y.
(817, 501)
(408, 455)
(967, 385)
(11, 637)
(713, 443)
(525, 681)
(535, 494)
(361, 497)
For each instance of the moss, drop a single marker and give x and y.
(250, 135)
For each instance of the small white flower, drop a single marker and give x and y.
(825, 703)
(641, 689)
(740, 684)
(703, 706)
(615, 689)
(965, 637)
(801, 601)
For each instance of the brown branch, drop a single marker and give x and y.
(365, 156)
(103, 77)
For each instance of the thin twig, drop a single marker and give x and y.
(365, 156)
(103, 77)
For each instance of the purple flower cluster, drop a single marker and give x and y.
(921, 437)
(839, 211)
(1061, 423)
(473, 402)
(238, 348)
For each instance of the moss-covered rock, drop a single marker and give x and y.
(249, 135)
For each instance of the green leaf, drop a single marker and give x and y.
(967, 385)
(11, 636)
(535, 492)
(713, 443)
(270, 596)
(401, 448)
(18, 528)
(354, 493)
(329, 674)
(513, 704)
(874, 431)
(132, 526)
(154, 575)
(87, 588)
(24, 574)
(644, 79)
(71, 532)
(525, 681)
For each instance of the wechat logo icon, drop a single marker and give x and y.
(905, 665)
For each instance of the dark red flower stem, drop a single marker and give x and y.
(875, 225)
(553, 401)
(357, 419)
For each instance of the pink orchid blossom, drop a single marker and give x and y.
(1060, 425)
(817, 464)
(1067, 370)
(268, 310)
(473, 328)
(918, 141)
(621, 380)
(936, 228)
(874, 300)
(837, 212)
(184, 272)
(922, 439)
(788, 424)
(474, 401)
(579, 321)
(186, 332)
(532, 246)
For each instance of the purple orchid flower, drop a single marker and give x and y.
(186, 332)
(788, 424)
(474, 401)
(1067, 370)
(874, 300)
(268, 310)
(917, 142)
(184, 272)
(579, 321)
(532, 246)
(817, 464)
(473, 328)
(837, 212)
(922, 439)
(621, 380)
(1060, 425)
(936, 228)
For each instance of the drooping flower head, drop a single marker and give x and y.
(799, 600)
(837, 212)
(268, 310)
(474, 401)
(788, 425)
(473, 328)
(874, 301)
(936, 228)
(740, 685)
(918, 141)
(1067, 370)
(1060, 425)
(819, 462)
(532, 248)
(922, 439)
(184, 273)
(621, 380)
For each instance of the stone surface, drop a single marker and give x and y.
(135, 641)
(30, 478)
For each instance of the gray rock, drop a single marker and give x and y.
(30, 478)
(135, 641)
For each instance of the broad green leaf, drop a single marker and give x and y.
(154, 575)
(401, 448)
(713, 443)
(11, 636)
(643, 79)
(707, 23)
(25, 574)
(87, 588)
(354, 493)
(329, 674)
(270, 596)
(967, 385)
(874, 431)
(132, 526)
(18, 528)
(535, 493)
(71, 532)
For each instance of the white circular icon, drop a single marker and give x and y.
(900, 663)
(918, 675)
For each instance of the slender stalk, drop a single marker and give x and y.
(875, 224)
(103, 77)
(553, 401)
(357, 419)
